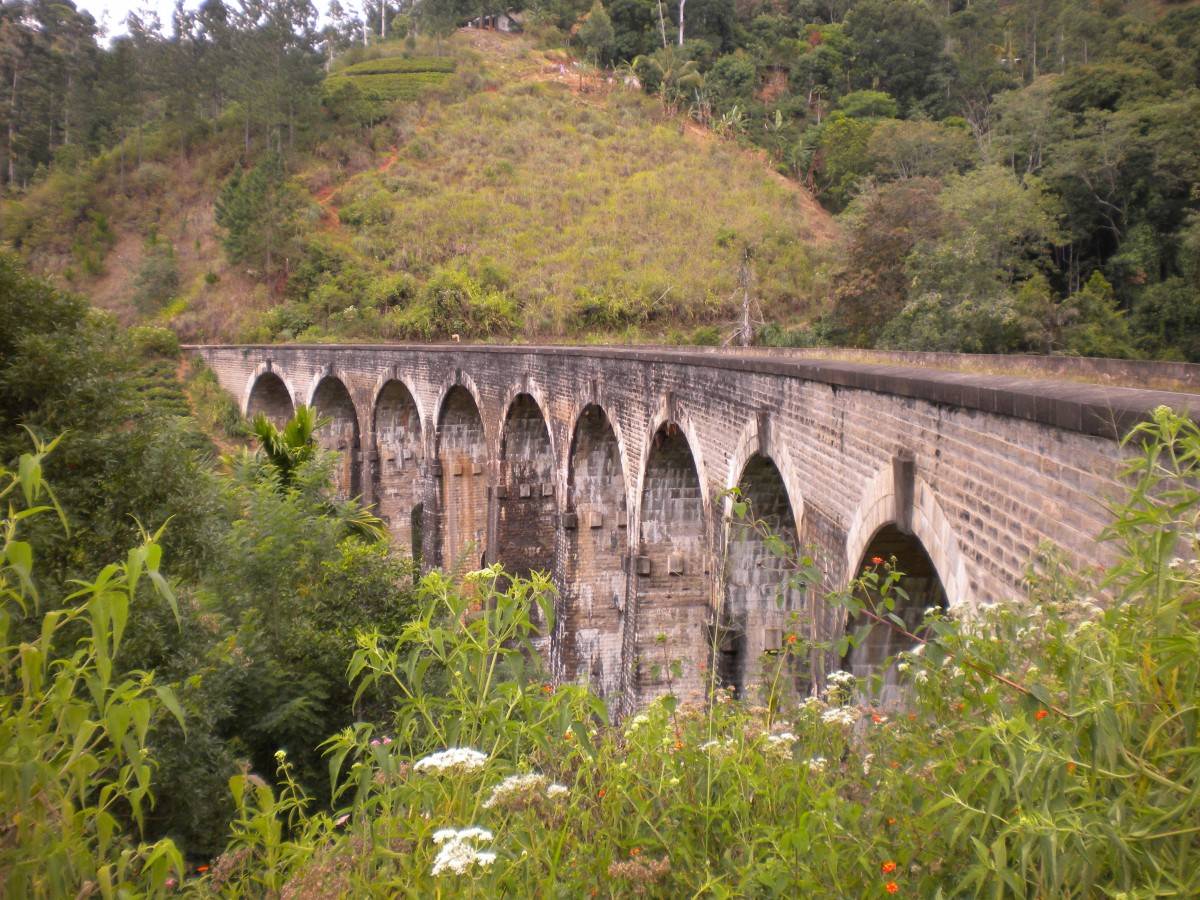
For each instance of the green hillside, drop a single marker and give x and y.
(506, 201)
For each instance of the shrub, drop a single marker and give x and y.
(75, 776)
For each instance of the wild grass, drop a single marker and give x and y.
(600, 212)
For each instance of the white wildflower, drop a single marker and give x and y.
(780, 745)
(458, 853)
(843, 679)
(514, 786)
(817, 764)
(921, 677)
(638, 721)
(866, 767)
(461, 759)
(840, 716)
(557, 790)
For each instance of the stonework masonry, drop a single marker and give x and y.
(609, 467)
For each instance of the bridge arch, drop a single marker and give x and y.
(759, 609)
(398, 482)
(461, 478)
(267, 392)
(525, 494)
(331, 397)
(672, 565)
(594, 531)
(927, 553)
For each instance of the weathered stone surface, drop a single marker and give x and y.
(605, 467)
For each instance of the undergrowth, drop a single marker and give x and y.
(1047, 746)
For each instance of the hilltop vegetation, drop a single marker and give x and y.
(1008, 177)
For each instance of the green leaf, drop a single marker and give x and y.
(167, 695)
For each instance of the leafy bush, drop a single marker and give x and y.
(75, 777)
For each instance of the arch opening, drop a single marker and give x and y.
(397, 476)
(341, 434)
(672, 568)
(525, 505)
(760, 608)
(596, 539)
(462, 481)
(270, 397)
(924, 589)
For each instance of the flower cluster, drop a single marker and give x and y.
(720, 748)
(843, 716)
(517, 792)
(458, 853)
(455, 759)
(638, 721)
(780, 745)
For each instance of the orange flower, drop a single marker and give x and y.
(635, 852)
(679, 745)
(888, 867)
(876, 718)
(912, 717)
(601, 792)
(791, 639)
(202, 869)
(892, 821)
(548, 689)
(567, 735)
(1071, 769)
(877, 560)
(891, 887)
(895, 765)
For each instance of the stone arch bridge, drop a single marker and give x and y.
(606, 467)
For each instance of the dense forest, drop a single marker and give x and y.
(1008, 176)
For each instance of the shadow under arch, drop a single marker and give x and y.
(922, 590)
(760, 608)
(271, 397)
(595, 545)
(525, 496)
(399, 447)
(673, 616)
(342, 434)
(460, 473)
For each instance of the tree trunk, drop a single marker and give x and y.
(682, 3)
(662, 25)
(12, 133)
